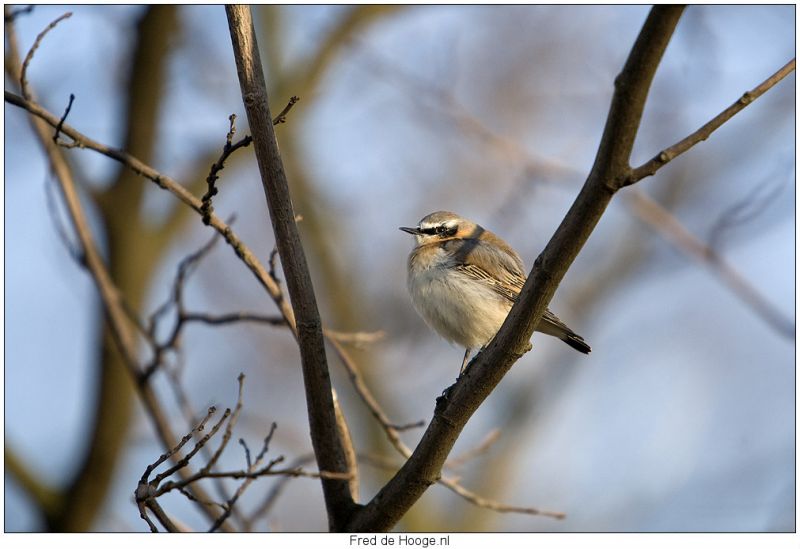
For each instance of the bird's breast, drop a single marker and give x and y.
(459, 308)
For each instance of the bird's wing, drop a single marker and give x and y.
(492, 266)
(507, 289)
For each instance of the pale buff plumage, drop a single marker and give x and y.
(464, 279)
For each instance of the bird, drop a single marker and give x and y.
(464, 279)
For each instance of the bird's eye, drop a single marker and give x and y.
(445, 230)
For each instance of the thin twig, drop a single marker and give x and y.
(228, 149)
(23, 82)
(458, 461)
(493, 505)
(231, 502)
(276, 491)
(61, 122)
(183, 462)
(229, 428)
(169, 184)
(670, 153)
(281, 118)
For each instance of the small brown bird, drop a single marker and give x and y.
(464, 279)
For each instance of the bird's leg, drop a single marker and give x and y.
(464, 362)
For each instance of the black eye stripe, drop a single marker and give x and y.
(440, 230)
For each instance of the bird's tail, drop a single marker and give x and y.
(576, 342)
(551, 325)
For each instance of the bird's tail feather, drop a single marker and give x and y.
(551, 325)
(576, 342)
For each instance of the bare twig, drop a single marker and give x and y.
(228, 149)
(276, 491)
(148, 490)
(453, 484)
(458, 461)
(145, 491)
(493, 505)
(23, 82)
(175, 300)
(61, 122)
(356, 339)
(654, 164)
(229, 428)
(228, 506)
(281, 118)
(169, 184)
(183, 462)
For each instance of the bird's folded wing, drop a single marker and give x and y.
(507, 284)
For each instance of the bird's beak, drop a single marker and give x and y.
(411, 230)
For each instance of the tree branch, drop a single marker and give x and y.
(512, 341)
(328, 445)
(670, 153)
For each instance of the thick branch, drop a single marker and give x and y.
(328, 445)
(487, 369)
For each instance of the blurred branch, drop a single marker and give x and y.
(49, 501)
(487, 442)
(654, 164)
(441, 101)
(670, 228)
(276, 491)
(493, 505)
(353, 21)
(86, 494)
(326, 440)
(11, 15)
(746, 209)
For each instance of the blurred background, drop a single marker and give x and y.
(681, 419)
